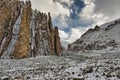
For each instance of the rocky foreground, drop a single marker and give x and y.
(80, 66)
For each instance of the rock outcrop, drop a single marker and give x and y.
(25, 32)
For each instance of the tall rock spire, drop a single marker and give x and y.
(57, 44)
(51, 35)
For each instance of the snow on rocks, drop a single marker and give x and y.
(67, 67)
(104, 38)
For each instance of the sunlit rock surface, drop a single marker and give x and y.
(25, 32)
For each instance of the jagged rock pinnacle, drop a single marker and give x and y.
(25, 32)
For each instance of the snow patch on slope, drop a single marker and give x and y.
(105, 37)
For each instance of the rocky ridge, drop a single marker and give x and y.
(25, 32)
(104, 37)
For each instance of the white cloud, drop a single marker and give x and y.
(63, 34)
(60, 21)
(109, 8)
(100, 11)
(63, 38)
(71, 36)
(87, 11)
(68, 2)
(46, 6)
(87, 2)
(88, 14)
(76, 33)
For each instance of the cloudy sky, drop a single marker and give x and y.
(74, 17)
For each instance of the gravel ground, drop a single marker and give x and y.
(70, 66)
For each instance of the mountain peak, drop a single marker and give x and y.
(104, 37)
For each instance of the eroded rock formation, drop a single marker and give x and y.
(9, 12)
(25, 32)
(22, 44)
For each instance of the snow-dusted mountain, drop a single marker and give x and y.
(105, 37)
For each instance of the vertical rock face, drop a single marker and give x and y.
(25, 32)
(51, 35)
(22, 44)
(42, 34)
(9, 12)
(46, 38)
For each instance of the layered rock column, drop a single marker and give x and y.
(41, 35)
(47, 41)
(9, 12)
(22, 48)
(51, 35)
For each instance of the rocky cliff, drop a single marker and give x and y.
(102, 38)
(25, 32)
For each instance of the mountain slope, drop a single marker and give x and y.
(104, 37)
(25, 32)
